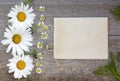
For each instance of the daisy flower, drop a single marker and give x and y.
(21, 15)
(42, 8)
(42, 17)
(40, 24)
(20, 66)
(44, 35)
(18, 39)
(39, 55)
(47, 47)
(45, 28)
(38, 70)
(38, 64)
(39, 44)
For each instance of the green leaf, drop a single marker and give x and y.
(108, 69)
(111, 63)
(101, 70)
(35, 28)
(118, 69)
(27, 2)
(118, 57)
(32, 53)
(116, 12)
(29, 78)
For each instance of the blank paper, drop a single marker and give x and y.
(81, 38)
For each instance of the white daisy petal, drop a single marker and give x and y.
(26, 7)
(5, 42)
(19, 50)
(12, 60)
(10, 71)
(27, 72)
(24, 47)
(30, 10)
(9, 48)
(16, 74)
(24, 74)
(20, 75)
(27, 43)
(13, 50)
(7, 35)
(12, 9)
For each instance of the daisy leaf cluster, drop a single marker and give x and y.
(111, 69)
(18, 38)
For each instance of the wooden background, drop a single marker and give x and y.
(62, 70)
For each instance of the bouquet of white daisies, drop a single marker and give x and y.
(19, 38)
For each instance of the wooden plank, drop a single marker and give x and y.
(77, 2)
(62, 70)
(66, 11)
(64, 2)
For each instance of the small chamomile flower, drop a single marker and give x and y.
(38, 70)
(39, 55)
(42, 17)
(45, 28)
(40, 45)
(38, 64)
(44, 35)
(42, 8)
(41, 24)
(47, 47)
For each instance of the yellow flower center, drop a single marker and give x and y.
(16, 38)
(21, 65)
(38, 64)
(21, 16)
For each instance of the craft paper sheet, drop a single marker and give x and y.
(81, 38)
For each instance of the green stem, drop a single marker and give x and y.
(115, 74)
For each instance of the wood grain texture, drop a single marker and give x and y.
(62, 70)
